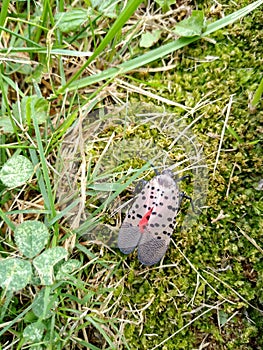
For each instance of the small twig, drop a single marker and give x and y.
(251, 240)
(229, 318)
(230, 178)
(223, 132)
(189, 323)
(149, 94)
(220, 216)
(233, 290)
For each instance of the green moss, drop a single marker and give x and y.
(224, 269)
(218, 246)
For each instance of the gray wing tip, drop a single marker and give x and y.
(128, 238)
(151, 252)
(126, 250)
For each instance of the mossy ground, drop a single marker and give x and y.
(208, 294)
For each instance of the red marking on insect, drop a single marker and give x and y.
(145, 219)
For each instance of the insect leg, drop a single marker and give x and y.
(182, 196)
(183, 178)
(140, 185)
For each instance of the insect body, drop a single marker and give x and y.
(151, 219)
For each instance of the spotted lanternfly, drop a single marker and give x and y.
(150, 221)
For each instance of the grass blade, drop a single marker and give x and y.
(155, 54)
(118, 24)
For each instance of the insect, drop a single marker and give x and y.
(150, 221)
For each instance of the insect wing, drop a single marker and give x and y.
(151, 249)
(133, 225)
(129, 237)
(156, 237)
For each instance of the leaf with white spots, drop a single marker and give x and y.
(34, 332)
(15, 274)
(31, 237)
(16, 171)
(45, 262)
